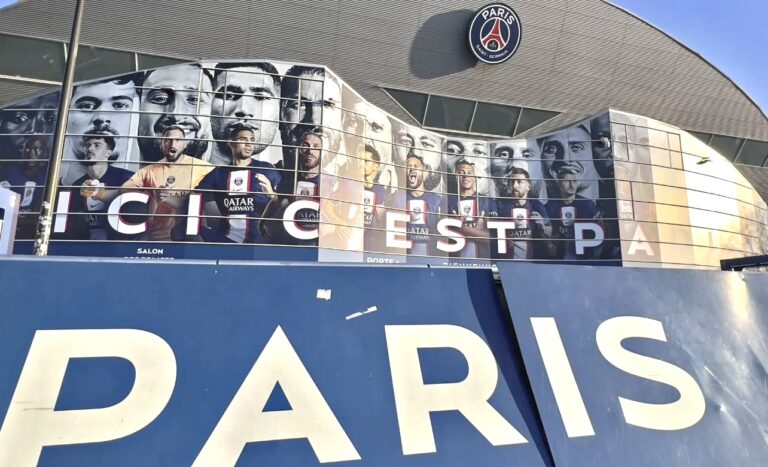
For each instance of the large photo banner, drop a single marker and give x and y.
(275, 160)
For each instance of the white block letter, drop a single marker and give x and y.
(456, 240)
(244, 421)
(114, 219)
(501, 233)
(396, 235)
(31, 423)
(573, 412)
(193, 213)
(289, 220)
(678, 415)
(639, 242)
(415, 400)
(581, 242)
(62, 209)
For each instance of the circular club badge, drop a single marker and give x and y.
(494, 33)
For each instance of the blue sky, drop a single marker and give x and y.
(731, 34)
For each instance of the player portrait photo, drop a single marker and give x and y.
(172, 97)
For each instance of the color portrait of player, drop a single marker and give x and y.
(237, 195)
(27, 177)
(170, 98)
(424, 208)
(100, 104)
(301, 184)
(568, 209)
(530, 237)
(168, 183)
(473, 209)
(375, 201)
(245, 93)
(98, 186)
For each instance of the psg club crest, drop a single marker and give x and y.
(494, 33)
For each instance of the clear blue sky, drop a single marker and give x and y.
(731, 34)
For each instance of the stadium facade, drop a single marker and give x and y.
(589, 93)
(310, 135)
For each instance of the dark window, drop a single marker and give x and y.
(448, 113)
(147, 62)
(530, 118)
(413, 102)
(31, 58)
(705, 137)
(93, 62)
(753, 153)
(495, 119)
(726, 145)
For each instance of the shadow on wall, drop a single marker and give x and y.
(440, 46)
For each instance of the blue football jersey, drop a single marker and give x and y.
(240, 199)
(89, 215)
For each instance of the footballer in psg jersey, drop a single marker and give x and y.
(98, 187)
(570, 209)
(240, 193)
(473, 209)
(27, 178)
(533, 229)
(423, 207)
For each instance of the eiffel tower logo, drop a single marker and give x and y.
(494, 40)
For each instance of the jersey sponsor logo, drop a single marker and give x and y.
(494, 33)
(568, 215)
(29, 194)
(304, 188)
(468, 209)
(418, 210)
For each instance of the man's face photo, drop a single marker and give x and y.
(454, 151)
(35, 116)
(371, 165)
(247, 96)
(579, 144)
(403, 143)
(302, 101)
(98, 104)
(466, 176)
(568, 184)
(553, 148)
(35, 151)
(519, 186)
(170, 98)
(525, 155)
(415, 173)
(310, 149)
(96, 150)
(378, 131)
(174, 144)
(242, 145)
(427, 146)
(331, 112)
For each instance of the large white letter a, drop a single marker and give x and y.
(244, 421)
